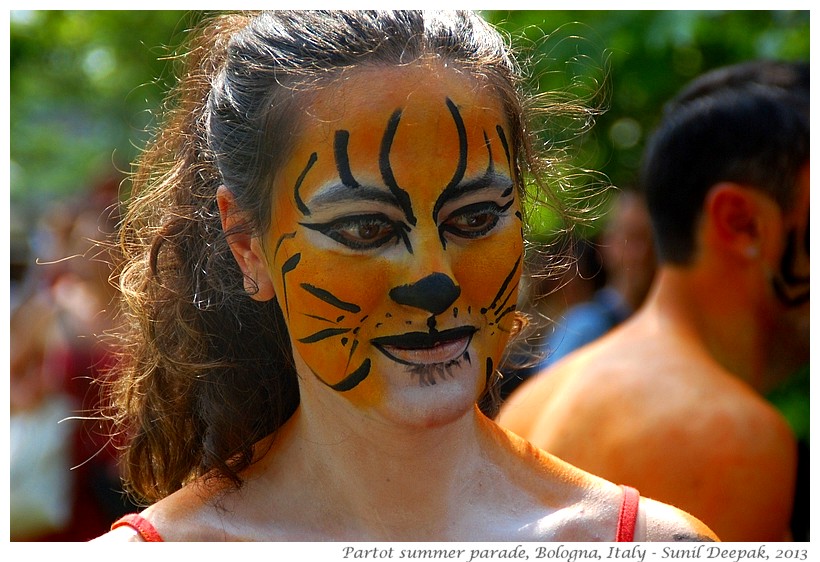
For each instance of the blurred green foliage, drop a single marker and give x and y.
(631, 62)
(84, 84)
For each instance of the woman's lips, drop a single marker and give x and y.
(426, 348)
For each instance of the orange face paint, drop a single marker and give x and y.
(395, 248)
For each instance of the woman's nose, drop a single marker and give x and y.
(434, 293)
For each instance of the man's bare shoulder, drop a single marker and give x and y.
(624, 403)
(636, 366)
(577, 367)
(638, 391)
(613, 365)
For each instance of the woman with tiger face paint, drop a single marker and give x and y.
(324, 248)
(411, 196)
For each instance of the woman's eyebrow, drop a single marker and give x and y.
(338, 193)
(494, 181)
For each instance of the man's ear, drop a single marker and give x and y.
(742, 220)
(247, 249)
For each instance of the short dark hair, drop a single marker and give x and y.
(747, 123)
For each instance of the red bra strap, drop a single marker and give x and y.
(628, 516)
(137, 522)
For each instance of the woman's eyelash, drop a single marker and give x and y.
(357, 231)
(490, 210)
(371, 231)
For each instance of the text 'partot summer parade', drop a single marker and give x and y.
(729, 552)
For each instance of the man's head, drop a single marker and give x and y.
(727, 183)
(746, 124)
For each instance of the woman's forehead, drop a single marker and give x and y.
(417, 120)
(419, 90)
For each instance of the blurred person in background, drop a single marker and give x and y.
(551, 288)
(672, 400)
(627, 267)
(65, 485)
(604, 282)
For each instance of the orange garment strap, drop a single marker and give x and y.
(628, 517)
(140, 524)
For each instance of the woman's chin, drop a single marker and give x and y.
(431, 401)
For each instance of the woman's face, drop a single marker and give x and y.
(396, 241)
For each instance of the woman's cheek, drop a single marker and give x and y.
(488, 272)
(332, 299)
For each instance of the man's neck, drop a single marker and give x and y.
(717, 315)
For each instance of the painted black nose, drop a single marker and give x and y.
(435, 293)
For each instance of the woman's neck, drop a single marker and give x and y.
(379, 481)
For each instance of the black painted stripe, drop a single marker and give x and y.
(327, 297)
(506, 282)
(387, 171)
(503, 138)
(299, 203)
(352, 380)
(340, 142)
(289, 265)
(324, 334)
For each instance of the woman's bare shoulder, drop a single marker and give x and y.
(186, 515)
(660, 522)
(120, 534)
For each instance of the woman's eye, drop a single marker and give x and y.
(365, 232)
(358, 232)
(474, 221)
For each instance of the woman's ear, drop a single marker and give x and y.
(247, 249)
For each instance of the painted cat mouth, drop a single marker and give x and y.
(426, 348)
